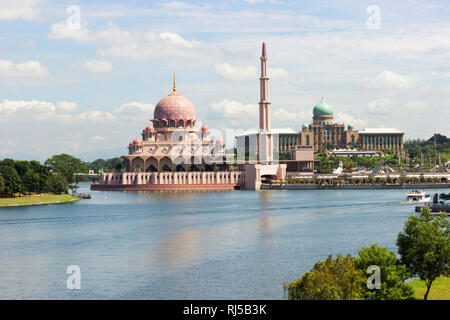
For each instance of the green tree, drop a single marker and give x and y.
(332, 279)
(286, 155)
(21, 167)
(11, 180)
(393, 274)
(424, 247)
(43, 172)
(30, 181)
(2, 184)
(57, 183)
(66, 165)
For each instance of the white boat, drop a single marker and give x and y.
(417, 196)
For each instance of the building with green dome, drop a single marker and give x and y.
(324, 134)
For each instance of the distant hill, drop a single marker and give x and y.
(440, 139)
(426, 147)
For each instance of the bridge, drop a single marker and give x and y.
(93, 176)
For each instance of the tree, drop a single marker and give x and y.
(43, 172)
(332, 279)
(66, 165)
(30, 181)
(21, 167)
(11, 180)
(57, 183)
(286, 155)
(393, 274)
(2, 184)
(424, 247)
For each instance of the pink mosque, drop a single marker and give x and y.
(176, 154)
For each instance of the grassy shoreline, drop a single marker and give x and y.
(34, 200)
(440, 289)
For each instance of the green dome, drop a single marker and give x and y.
(350, 126)
(304, 126)
(322, 109)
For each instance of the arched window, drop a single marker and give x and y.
(172, 123)
(307, 140)
(180, 123)
(188, 123)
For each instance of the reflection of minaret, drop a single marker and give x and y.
(265, 137)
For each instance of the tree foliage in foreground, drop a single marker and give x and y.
(331, 279)
(392, 273)
(424, 247)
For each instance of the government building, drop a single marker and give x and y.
(325, 135)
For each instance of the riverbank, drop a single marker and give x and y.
(33, 200)
(440, 289)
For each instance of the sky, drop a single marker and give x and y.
(83, 77)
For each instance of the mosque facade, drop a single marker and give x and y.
(174, 142)
(174, 152)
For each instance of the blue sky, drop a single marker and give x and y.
(88, 91)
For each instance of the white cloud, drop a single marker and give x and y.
(96, 66)
(66, 107)
(234, 109)
(135, 109)
(230, 72)
(241, 73)
(138, 45)
(390, 80)
(23, 9)
(277, 73)
(96, 139)
(415, 105)
(175, 39)
(380, 106)
(25, 69)
(96, 116)
(60, 30)
(348, 119)
(21, 111)
(254, 1)
(239, 115)
(385, 107)
(10, 109)
(180, 5)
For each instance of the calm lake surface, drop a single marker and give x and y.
(189, 245)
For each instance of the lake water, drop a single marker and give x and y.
(188, 245)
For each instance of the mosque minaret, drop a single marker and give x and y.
(265, 136)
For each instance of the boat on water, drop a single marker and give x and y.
(417, 196)
(436, 206)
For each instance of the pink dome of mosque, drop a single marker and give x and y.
(205, 128)
(175, 107)
(137, 142)
(220, 142)
(149, 129)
